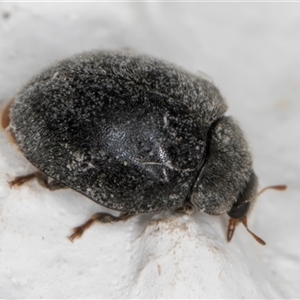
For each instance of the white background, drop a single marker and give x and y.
(252, 52)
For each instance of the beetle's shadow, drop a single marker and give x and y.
(141, 222)
(144, 219)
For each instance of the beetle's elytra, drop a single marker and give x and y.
(135, 134)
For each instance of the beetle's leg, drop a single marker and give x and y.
(100, 217)
(52, 185)
(187, 208)
(5, 120)
(41, 178)
(19, 180)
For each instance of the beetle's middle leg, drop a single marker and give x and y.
(187, 208)
(41, 178)
(100, 217)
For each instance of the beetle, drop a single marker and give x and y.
(135, 134)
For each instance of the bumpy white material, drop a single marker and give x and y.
(252, 53)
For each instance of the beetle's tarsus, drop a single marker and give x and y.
(78, 231)
(100, 217)
(19, 180)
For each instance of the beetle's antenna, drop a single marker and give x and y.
(234, 222)
(258, 239)
(274, 187)
(244, 219)
(231, 227)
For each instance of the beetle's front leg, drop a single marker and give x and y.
(100, 217)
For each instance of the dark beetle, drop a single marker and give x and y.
(134, 134)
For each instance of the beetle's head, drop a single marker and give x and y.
(226, 177)
(227, 182)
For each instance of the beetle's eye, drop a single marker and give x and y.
(241, 207)
(239, 211)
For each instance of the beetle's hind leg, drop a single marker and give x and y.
(41, 178)
(19, 180)
(100, 217)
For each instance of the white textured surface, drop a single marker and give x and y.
(252, 53)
